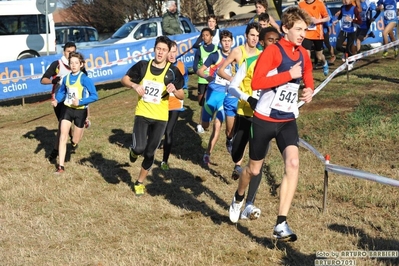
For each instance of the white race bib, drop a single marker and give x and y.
(221, 81)
(71, 94)
(389, 14)
(286, 98)
(346, 22)
(153, 91)
(312, 27)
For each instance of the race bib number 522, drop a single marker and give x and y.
(153, 91)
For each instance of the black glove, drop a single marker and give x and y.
(252, 102)
(56, 80)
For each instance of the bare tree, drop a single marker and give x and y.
(109, 15)
(194, 9)
(198, 10)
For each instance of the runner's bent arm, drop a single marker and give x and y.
(61, 93)
(234, 87)
(126, 81)
(176, 86)
(232, 57)
(274, 23)
(208, 62)
(50, 72)
(197, 56)
(134, 76)
(268, 60)
(89, 85)
(358, 18)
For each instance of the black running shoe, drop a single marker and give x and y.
(74, 147)
(132, 156)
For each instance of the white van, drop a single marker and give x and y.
(81, 35)
(23, 31)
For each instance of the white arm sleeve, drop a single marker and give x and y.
(234, 87)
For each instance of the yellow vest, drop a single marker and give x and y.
(74, 91)
(154, 103)
(243, 107)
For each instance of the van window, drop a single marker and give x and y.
(146, 30)
(186, 27)
(60, 36)
(92, 35)
(78, 35)
(22, 24)
(124, 31)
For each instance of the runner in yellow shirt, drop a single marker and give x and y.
(153, 81)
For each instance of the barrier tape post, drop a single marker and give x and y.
(327, 161)
(347, 67)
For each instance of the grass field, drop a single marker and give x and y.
(90, 215)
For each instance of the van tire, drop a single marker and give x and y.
(26, 55)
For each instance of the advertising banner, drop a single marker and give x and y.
(109, 63)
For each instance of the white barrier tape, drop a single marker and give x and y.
(345, 65)
(310, 148)
(361, 174)
(324, 83)
(101, 66)
(373, 51)
(341, 169)
(349, 171)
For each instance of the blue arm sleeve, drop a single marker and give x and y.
(212, 59)
(329, 23)
(60, 96)
(90, 89)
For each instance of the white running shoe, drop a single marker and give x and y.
(200, 129)
(284, 233)
(235, 209)
(250, 212)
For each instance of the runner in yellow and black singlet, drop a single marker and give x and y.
(153, 81)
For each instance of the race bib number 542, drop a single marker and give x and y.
(286, 98)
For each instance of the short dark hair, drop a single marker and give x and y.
(215, 18)
(265, 31)
(173, 44)
(252, 25)
(207, 29)
(69, 44)
(225, 33)
(264, 17)
(212, 16)
(163, 39)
